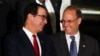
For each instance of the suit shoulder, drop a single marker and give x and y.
(57, 35)
(90, 38)
(12, 36)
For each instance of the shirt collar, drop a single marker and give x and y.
(28, 33)
(77, 36)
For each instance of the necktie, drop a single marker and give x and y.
(73, 48)
(36, 47)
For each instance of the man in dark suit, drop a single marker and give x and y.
(71, 42)
(14, 13)
(21, 42)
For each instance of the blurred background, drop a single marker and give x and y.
(91, 17)
(90, 24)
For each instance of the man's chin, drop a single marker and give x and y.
(67, 32)
(39, 30)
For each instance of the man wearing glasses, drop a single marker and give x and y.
(71, 42)
(30, 40)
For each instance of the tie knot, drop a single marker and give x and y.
(72, 37)
(34, 36)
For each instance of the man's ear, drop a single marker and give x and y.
(30, 16)
(79, 20)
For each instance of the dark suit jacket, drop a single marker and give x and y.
(88, 46)
(14, 10)
(18, 44)
(57, 5)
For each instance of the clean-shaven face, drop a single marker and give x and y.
(70, 22)
(40, 20)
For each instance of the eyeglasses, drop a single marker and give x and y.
(68, 21)
(43, 16)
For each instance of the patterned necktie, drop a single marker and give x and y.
(36, 47)
(73, 48)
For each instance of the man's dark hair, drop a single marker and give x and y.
(78, 11)
(32, 9)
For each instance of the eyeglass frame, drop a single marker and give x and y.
(43, 16)
(68, 21)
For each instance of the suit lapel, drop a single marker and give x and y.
(56, 4)
(63, 44)
(26, 43)
(82, 46)
(42, 42)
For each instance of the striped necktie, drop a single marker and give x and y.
(73, 48)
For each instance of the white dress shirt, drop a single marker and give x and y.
(29, 35)
(77, 39)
